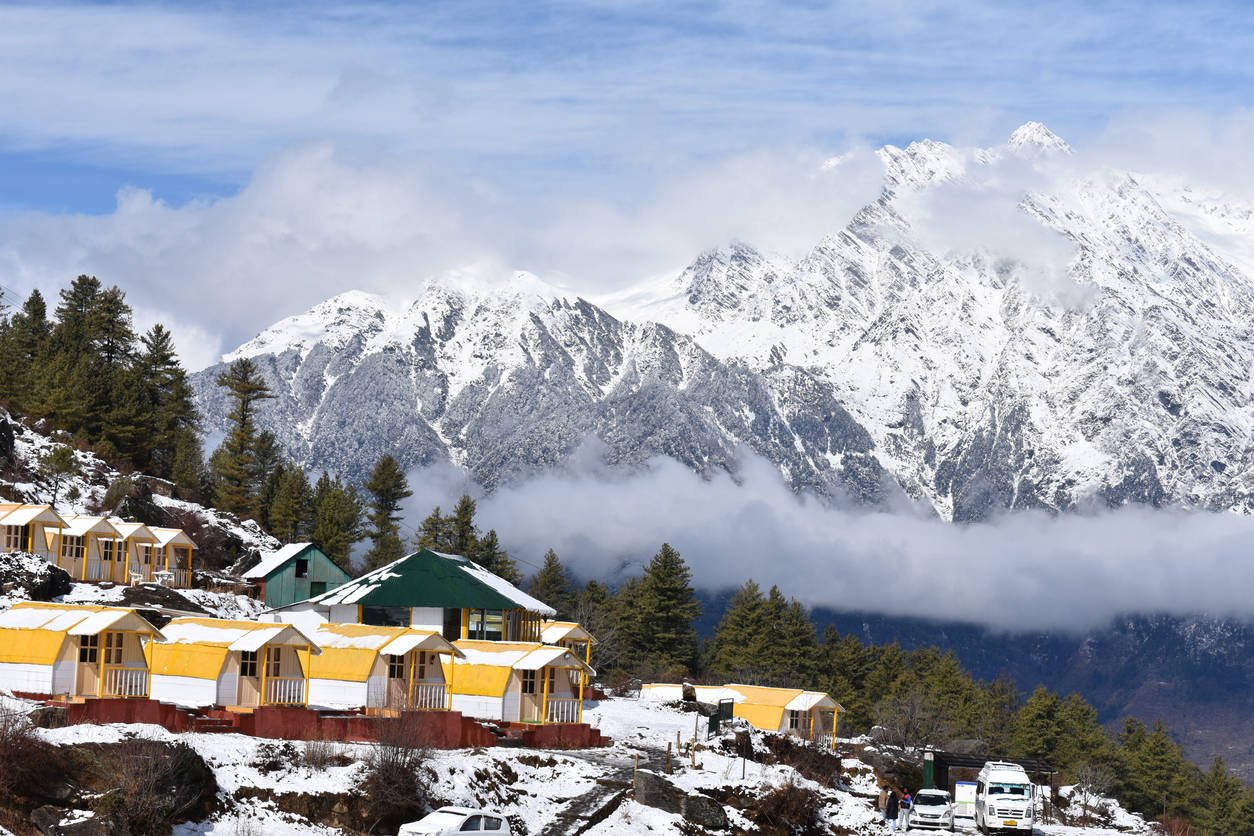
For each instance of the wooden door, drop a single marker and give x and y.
(87, 682)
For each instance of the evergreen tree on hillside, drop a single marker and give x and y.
(1036, 729)
(336, 519)
(463, 536)
(171, 415)
(847, 662)
(552, 585)
(434, 533)
(291, 513)
(1221, 796)
(595, 608)
(1154, 775)
(387, 487)
(488, 553)
(27, 336)
(788, 651)
(659, 628)
(887, 671)
(234, 465)
(732, 656)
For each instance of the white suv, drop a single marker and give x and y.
(449, 820)
(931, 808)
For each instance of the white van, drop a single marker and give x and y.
(1003, 798)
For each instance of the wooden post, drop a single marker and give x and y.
(583, 675)
(668, 757)
(409, 701)
(264, 661)
(635, 767)
(544, 703)
(308, 665)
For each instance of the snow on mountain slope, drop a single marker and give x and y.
(1000, 329)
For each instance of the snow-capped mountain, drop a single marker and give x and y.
(1088, 342)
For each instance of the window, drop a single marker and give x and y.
(145, 553)
(490, 823)
(13, 537)
(316, 588)
(487, 625)
(113, 648)
(302, 567)
(452, 623)
(72, 547)
(422, 665)
(386, 616)
(794, 719)
(107, 548)
(272, 662)
(474, 823)
(248, 663)
(88, 646)
(396, 667)
(552, 680)
(528, 682)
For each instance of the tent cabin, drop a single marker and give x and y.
(232, 664)
(426, 590)
(573, 637)
(810, 715)
(390, 669)
(30, 528)
(74, 650)
(516, 682)
(136, 545)
(295, 572)
(90, 549)
(173, 564)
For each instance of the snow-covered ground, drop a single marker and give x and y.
(534, 786)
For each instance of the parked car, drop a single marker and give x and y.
(1004, 798)
(932, 809)
(457, 820)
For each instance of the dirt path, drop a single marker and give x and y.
(585, 811)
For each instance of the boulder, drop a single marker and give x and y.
(704, 812)
(55, 821)
(653, 790)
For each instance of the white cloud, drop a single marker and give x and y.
(1024, 571)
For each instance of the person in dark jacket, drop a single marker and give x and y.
(891, 808)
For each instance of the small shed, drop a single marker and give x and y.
(30, 528)
(810, 715)
(91, 549)
(74, 650)
(517, 682)
(427, 590)
(572, 636)
(391, 669)
(233, 664)
(294, 573)
(135, 551)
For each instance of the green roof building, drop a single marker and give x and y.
(427, 590)
(295, 572)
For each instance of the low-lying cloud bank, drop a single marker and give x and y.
(1021, 572)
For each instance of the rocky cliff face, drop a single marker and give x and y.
(1091, 347)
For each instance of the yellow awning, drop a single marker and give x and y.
(30, 647)
(201, 661)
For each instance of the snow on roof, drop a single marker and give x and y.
(525, 656)
(431, 579)
(131, 530)
(168, 536)
(552, 632)
(272, 561)
(234, 635)
(793, 699)
(73, 619)
(672, 692)
(18, 514)
(78, 526)
(394, 641)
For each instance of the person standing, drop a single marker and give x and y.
(881, 804)
(890, 809)
(904, 813)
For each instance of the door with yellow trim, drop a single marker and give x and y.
(87, 681)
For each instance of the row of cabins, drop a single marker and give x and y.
(82, 651)
(98, 548)
(427, 632)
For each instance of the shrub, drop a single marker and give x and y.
(787, 809)
(28, 765)
(395, 784)
(320, 754)
(152, 785)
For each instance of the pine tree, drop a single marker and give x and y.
(234, 466)
(387, 487)
(732, 652)
(1036, 729)
(660, 627)
(848, 663)
(489, 554)
(292, 509)
(435, 533)
(1221, 795)
(28, 337)
(337, 517)
(552, 585)
(57, 465)
(187, 470)
(887, 671)
(463, 536)
(172, 412)
(595, 608)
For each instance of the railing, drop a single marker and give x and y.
(563, 710)
(182, 578)
(285, 690)
(430, 696)
(824, 739)
(99, 570)
(125, 682)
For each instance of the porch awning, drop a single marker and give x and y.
(401, 645)
(27, 514)
(545, 656)
(809, 700)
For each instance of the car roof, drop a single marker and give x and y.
(933, 791)
(472, 811)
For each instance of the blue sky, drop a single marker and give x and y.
(292, 151)
(188, 100)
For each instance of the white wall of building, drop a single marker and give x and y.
(184, 690)
(427, 618)
(485, 708)
(34, 679)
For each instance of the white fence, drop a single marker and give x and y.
(430, 696)
(563, 711)
(125, 682)
(285, 690)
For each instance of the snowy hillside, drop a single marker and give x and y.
(273, 787)
(1091, 347)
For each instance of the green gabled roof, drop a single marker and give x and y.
(432, 579)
